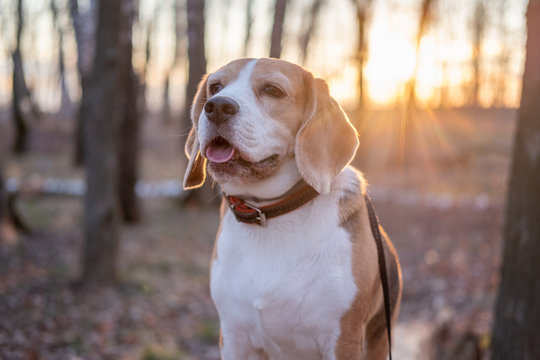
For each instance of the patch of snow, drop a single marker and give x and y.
(437, 201)
(77, 187)
(173, 188)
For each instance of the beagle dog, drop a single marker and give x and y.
(294, 271)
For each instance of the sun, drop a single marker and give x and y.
(390, 64)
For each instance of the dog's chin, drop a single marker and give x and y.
(240, 171)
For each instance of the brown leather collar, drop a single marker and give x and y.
(300, 194)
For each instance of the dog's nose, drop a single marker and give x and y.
(220, 109)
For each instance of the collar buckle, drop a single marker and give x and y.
(261, 216)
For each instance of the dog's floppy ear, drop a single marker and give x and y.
(196, 169)
(326, 141)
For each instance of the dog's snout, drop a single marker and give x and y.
(220, 109)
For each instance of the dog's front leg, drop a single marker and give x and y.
(235, 346)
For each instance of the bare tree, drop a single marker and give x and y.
(65, 102)
(517, 313)
(309, 28)
(179, 31)
(196, 55)
(503, 58)
(249, 25)
(403, 140)
(277, 28)
(479, 24)
(11, 221)
(166, 104)
(84, 24)
(128, 142)
(363, 15)
(23, 108)
(3, 209)
(179, 45)
(423, 23)
(149, 30)
(104, 94)
(445, 84)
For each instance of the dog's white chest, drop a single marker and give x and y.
(284, 288)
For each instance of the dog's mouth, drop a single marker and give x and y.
(221, 151)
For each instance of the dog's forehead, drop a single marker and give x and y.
(230, 72)
(260, 69)
(267, 67)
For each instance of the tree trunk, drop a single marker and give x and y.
(11, 222)
(445, 84)
(21, 121)
(105, 95)
(305, 38)
(360, 55)
(179, 35)
(84, 25)
(128, 146)
(22, 106)
(249, 25)
(425, 18)
(166, 103)
(503, 59)
(179, 31)
(403, 151)
(277, 28)
(144, 72)
(517, 313)
(129, 152)
(196, 55)
(363, 9)
(3, 207)
(478, 37)
(65, 102)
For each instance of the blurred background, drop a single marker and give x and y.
(104, 256)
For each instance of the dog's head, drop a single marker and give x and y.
(253, 115)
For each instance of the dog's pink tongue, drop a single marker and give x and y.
(219, 153)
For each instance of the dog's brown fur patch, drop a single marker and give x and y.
(363, 326)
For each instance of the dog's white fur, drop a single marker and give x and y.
(306, 286)
(300, 282)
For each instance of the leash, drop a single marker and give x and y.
(374, 222)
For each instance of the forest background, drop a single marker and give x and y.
(104, 256)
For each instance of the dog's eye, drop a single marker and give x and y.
(273, 91)
(215, 88)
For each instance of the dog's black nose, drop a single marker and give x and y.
(220, 109)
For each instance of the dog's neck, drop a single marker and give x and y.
(271, 187)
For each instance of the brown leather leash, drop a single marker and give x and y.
(300, 194)
(374, 222)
